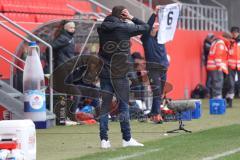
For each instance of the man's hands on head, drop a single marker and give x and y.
(126, 15)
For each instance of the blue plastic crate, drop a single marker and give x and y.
(197, 112)
(217, 106)
(186, 115)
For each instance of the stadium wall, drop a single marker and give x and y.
(185, 70)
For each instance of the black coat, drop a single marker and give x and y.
(114, 37)
(206, 48)
(63, 48)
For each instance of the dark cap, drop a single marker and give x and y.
(210, 35)
(235, 29)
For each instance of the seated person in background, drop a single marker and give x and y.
(86, 113)
(140, 76)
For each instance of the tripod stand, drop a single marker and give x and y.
(181, 125)
(179, 107)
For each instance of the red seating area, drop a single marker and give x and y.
(46, 18)
(35, 6)
(83, 6)
(21, 17)
(42, 11)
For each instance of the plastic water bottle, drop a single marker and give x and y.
(33, 86)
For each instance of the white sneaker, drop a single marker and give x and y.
(105, 144)
(132, 142)
(70, 123)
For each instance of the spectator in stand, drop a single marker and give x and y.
(114, 38)
(157, 65)
(233, 65)
(206, 47)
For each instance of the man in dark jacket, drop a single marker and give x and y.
(206, 47)
(64, 50)
(63, 45)
(114, 34)
(236, 36)
(233, 66)
(157, 64)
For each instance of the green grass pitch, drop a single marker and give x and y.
(212, 135)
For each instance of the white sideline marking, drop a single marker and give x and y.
(222, 154)
(136, 154)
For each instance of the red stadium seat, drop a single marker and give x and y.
(36, 6)
(21, 17)
(46, 18)
(15, 8)
(83, 6)
(98, 9)
(43, 18)
(1, 7)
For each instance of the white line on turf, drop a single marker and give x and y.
(222, 154)
(136, 154)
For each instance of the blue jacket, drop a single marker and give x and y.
(154, 52)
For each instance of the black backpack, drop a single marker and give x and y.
(199, 92)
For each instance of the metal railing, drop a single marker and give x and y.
(149, 3)
(12, 54)
(99, 16)
(14, 32)
(10, 62)
(40, 40)
(100, 5)
(201, 17)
